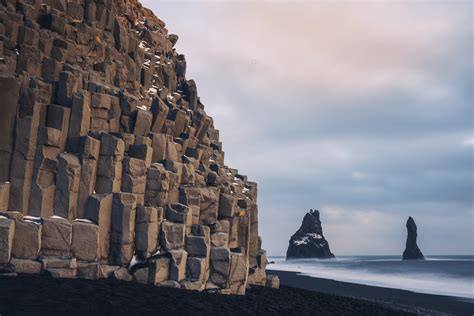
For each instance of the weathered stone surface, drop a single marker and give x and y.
(9, 93)
(178, 265)
(80, 120)
(122, 229)
(58, 118)
(96, 112)
(67, 186)
(273, 281)
(43, 183)
(26, 266)
(146, 231)
(220, 240)
(58, 263)
(227, 204)
(209, 205)
(107, 271)
(63, 273)
(177, 213)
(197, 246)
(89, 270)
(159, 270)
(56, 237)
(143, 123)
(122, 274)
(27, 240)
(239, 269)
(172, 235)
(141, 275)
(196, 269)
(85, 241)
(220, 266)
(7, 231)
(4, 196)
(99, 210)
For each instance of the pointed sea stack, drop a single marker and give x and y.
(412, 252)
(309, 241)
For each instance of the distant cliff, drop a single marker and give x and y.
(309, 241)
(412, 251)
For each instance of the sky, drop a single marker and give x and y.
(362, 110)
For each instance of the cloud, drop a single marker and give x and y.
(362, 109)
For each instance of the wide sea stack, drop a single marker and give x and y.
(309, 241)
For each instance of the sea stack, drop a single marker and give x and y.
(412, 252)
(309, 241)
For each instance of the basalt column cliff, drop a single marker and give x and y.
(109, 165)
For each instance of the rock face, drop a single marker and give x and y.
(108, 158)
(412, 252)
(309, 241)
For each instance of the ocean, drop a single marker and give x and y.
(444, 275)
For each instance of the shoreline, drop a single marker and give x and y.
(393, 298)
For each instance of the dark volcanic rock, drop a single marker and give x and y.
(412, 251)
(308, 241)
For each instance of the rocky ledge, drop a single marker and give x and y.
(309, 241)
(412, 252)
(109, 164)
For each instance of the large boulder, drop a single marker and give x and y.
(27, 240)
(146, 231)
(56, 237)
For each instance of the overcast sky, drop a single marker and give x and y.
(361, 110)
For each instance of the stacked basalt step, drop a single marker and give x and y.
(109, 165)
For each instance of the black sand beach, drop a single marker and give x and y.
(39, 295)
(425, 304)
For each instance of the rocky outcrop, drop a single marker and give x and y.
(412, 252)
(309, 241)
(108, 160)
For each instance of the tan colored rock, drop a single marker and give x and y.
(178, 265)
(27, 240)
(63, 273)
(159, 270)
(107, 271)
(4, 196)
(7, 231)
(56, 237)
(273, 281)
(209, 205)
(141, 275)
(122, 234)
(85, 241)
(49, 263)
(122, 275)
(172, 235)
(89, 270)
(239, 269)
(220, 240)
(196, 269)
(99, 210)
(220, 266)
(68, 177)
(146, 231)
(26, 266)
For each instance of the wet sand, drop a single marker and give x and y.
(392, 298)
